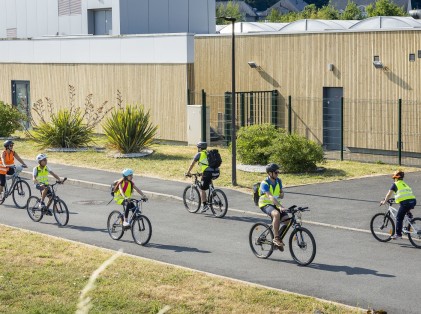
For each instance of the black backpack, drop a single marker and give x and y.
(214, 158)
(113, 187)
(256, 193)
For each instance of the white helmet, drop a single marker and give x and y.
(41, 157)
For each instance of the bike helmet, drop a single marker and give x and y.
(7, 143)
(202, 145)
(41, 157)
(398, 174)
(127, 172)
(271, 167)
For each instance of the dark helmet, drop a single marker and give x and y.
(7, 143)
(271, 167)
(202, 145)
(398, 174)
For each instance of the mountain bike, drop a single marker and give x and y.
(382, 226)
(302, 245)
(216, 198)
(19, 189)
(139, 224)
(37, 211)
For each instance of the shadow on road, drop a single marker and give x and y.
(336, 197)
(86, 229)
(176, 248)
(348, 270)
(247, 219)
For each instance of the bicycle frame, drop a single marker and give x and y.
(15, 178)
(196, 183)
(392, 211)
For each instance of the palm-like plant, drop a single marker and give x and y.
(129, 129)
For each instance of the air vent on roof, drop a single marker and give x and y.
(69, 7)
(11, 33)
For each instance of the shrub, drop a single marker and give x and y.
(255, 143)
(295, 153)
(129, 129)
(10, 119)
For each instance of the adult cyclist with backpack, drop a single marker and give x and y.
(209, 163)
(270, 201)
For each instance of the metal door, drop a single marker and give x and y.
(332, 117)
(21, 97)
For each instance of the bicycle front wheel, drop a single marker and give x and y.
(191, 199)
(61, 213)
(141, 230)
(414, 232)
(115, 225)
(302, 246)
(260, 240)
(32, 207)
(21, 193)
(382, 227)
(219, 203)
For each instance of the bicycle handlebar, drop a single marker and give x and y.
(294, 209)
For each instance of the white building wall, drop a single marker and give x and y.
(3, 17)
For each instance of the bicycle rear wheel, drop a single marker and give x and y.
(115, 225)
(382, 227)
(191, 199)
(61, 213)
(219, 203)
(260, 240)
(32, 207)
(302, 246)
(21, 193)
(141, 230)
(414, 234)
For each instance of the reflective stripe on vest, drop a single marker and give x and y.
(264, 200)
(42, 175)
(127, 189)
(9, 159)
(203, 161)
(404, 192)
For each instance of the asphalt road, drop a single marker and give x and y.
(350, 267)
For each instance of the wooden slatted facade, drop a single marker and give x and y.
(297, 65)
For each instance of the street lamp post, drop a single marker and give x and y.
(233, 130)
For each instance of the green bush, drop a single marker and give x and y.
(66, 130)
(295, 153)
(255, 142)
(129, 129)
(10, 119)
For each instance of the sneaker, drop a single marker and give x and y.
(41, 205)
(278, 243)
(396, 237)
(49, 212)
(205, 208)
(126, 224)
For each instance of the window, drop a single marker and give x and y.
(21, 96)
(412, 57)
(100, 22)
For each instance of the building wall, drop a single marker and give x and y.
(297, 65)
(162, 88)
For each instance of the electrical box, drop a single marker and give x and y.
(194, 124)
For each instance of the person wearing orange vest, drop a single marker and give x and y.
(123, 191)
(270, 201)
(8, 160)
(404, 197)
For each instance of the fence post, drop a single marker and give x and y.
(188, 96)
(251, 108)
(242, 109)
(203, 116)
(274, 100)
(342, 128)
(289, 114)
(400, 132)
(228, 116)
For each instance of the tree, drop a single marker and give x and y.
(384, 8)
(328, 12)
(274, 16)
(351, 12)
(232, 9)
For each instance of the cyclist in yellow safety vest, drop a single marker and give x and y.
(40, 177)
(123, 192)
(404, 197)
(270, 201)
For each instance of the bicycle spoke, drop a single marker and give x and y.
(382, 227)
(61, 213)
(302, 246)
(260, 240)
(141, 230)
(414, 234)
(115, 225)
(21, 193)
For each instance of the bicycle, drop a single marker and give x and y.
(216, 198)
(139, 224)
(36, 211)
(301, 241)
(382, 226)
(19, 189)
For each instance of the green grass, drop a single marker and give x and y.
(40, 274)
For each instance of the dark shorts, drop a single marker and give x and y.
(3, 176)
(268, 209)
(206, 180)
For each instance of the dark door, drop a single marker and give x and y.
(21, 97)
(100, 22)
(332, 117)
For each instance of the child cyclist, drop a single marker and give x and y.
(7, 160)
(123, 191)
(40, 177)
